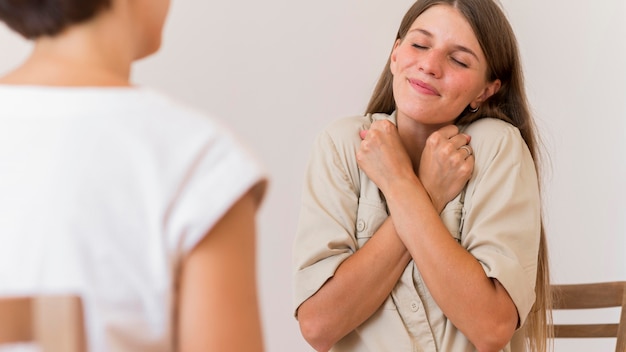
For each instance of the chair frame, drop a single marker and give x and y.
(592, 296)
(55, 323)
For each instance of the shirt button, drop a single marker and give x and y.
(360, 225)
(415, 306)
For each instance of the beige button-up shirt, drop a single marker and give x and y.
(496, 218)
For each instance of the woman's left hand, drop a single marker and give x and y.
(382, 155)
(446, 165)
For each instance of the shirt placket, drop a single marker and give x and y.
(411, 309)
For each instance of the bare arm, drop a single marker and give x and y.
(486, 315)
(218, 309)
(358, 288)
(363, 281)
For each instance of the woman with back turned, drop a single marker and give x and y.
(143, 207)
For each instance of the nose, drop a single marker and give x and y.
(431, 63)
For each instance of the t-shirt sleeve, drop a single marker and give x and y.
(324, 237)
(501, 215)
(221, 172)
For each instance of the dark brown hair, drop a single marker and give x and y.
(36, 18)
(497, 40)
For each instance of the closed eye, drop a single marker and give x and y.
(417, 46)
(460, 63)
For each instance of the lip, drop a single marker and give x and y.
(423, 87)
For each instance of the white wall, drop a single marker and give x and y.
(280, 70)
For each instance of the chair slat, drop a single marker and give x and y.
(60, 324)
(592, 296)
(55, 323)
(585, 330)
(586, 296)
(16, 323)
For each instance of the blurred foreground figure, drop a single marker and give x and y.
(143, 207)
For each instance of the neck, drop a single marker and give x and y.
(414, 135)
(94, 53)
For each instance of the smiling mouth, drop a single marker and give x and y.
(423, 87)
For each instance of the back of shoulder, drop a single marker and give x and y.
(166, 111)
(171, 133)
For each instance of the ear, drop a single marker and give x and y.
(489, 90)
(393, 57)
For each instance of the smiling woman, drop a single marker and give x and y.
(420, 225)
(440, 63)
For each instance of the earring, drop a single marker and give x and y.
(473, 110)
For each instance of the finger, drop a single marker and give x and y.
(466, 150)
(469, 163)
(385, 126)
(472, 160)
(449, 131)
(459, 140)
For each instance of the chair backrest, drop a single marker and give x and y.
(54, 323)
(588, 296)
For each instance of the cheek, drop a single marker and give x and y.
(401, 60)
(467, 87)
(394, 88)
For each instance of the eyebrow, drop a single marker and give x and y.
(455, 47)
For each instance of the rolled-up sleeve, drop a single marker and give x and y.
(502, 214)
(325, 234)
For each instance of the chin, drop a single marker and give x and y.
(148, 50)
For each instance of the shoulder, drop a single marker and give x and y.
(180, 136)
(161, 119)
(499, 150)
(491, 136)
(344, 132)
(339, 141)
(346, 129)
(169, 110)
(335, 149)
(489, 128)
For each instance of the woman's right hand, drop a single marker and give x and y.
(446, 165)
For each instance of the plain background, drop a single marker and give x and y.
(278, 71)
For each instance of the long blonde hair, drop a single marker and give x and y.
(497, 40)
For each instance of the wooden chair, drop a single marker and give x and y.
(54, 323)
(588, 296)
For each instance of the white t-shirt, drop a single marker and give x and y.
(102, 191)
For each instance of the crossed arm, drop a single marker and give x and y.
(414, 230)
